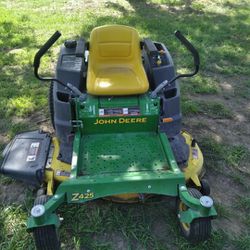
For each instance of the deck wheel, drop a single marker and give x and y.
(199, 229)
(205, 188)
(46, 237)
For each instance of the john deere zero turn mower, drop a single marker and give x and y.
(115, 107)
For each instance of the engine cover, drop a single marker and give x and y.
(25, 157)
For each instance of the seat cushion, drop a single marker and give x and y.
(118, 81)
(115, 65)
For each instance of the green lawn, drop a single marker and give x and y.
(215, 104)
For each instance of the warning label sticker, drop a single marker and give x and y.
(33, 151)
(62, 173)
(195, 153)
(132, 111)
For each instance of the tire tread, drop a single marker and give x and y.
(200, 228)
(46, 237)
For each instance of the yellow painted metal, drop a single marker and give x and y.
(115, 64)
(50, 181)
(185, 226)
(57, 171)
(59, 167)
(195, 162)
(128, 198)
(124, 198)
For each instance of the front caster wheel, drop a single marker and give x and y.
(46, 237)
(199, 229)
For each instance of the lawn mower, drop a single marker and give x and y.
(115, 108)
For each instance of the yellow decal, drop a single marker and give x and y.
(120, 120)
(79, 196)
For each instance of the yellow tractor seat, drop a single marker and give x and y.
(115, 64)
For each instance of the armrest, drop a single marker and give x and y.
(80, 48)
(150, 47)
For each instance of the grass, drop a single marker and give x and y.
(244, 203)
(220, 155)
(107, 219)
(237, 154)
(243, 242)
(223, 211)
(200, 84)
(219, 30)
(247, 220)
(13, 221)
(213, 109)
(243, 90)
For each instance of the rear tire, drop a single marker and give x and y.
(46, 237)
(199, 229)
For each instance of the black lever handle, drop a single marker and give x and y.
(36, 65)
(191, 48)
(196, 57)
(43, 50)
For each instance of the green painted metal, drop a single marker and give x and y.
(196, 210)
(118, 101)
(168, 153)
(120, 124)
(147, 120)
(119, 153)
(191, 214)
(75, 160)
(97, 186)
(49, 217)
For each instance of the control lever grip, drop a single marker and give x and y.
(190, 47)
(45, 48)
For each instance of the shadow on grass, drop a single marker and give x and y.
(218, 37)
(20, 94)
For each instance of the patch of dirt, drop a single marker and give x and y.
(226, 196)
(116, 239)
(37, 120)
(13, 193)
(227, 131)
(234, 131)
(3, 139)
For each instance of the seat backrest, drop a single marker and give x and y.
(115, 43)
(115, 64)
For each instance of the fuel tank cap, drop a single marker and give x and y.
(70, 44)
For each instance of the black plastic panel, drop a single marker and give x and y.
(160, 68)
(71, 68)
(25, 157)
